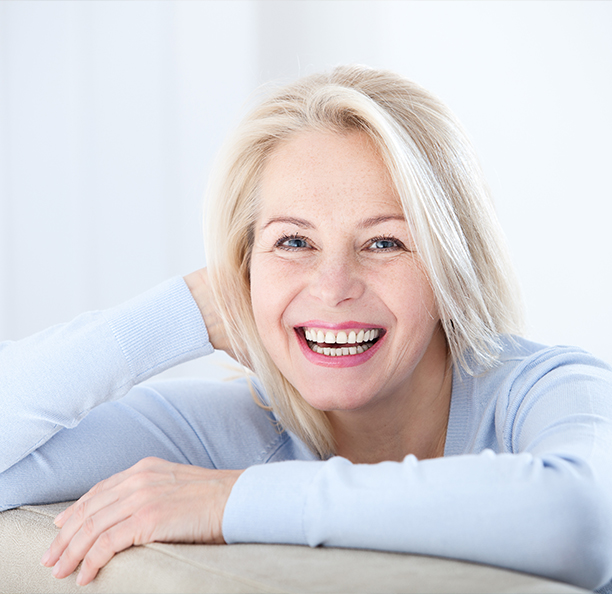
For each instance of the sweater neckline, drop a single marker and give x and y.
(459, 414)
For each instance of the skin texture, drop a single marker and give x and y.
(154, 501)
(331, 246)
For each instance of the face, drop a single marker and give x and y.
(339, 296)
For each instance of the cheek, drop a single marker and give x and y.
(260, 286)
(269, 299)
(409, 295)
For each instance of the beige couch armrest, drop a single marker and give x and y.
(27, 532)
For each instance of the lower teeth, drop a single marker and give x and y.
(340, 351)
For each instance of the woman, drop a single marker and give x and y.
(356, 266)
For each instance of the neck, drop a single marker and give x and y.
(415, 423)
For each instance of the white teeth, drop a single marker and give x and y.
(340, 352)
(342, 337)
(359, 338)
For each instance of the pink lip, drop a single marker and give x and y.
(342, 326)
(337, 362)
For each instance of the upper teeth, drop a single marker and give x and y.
(341, 337)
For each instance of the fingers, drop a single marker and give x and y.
(80, 505)
(104, 548)
(107, 545)
(153, 500)
(80, 518)
(107, 484)
(89, 520)
(106, 505)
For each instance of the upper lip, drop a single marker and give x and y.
(336, 327)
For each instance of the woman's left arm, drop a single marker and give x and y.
(542, 504)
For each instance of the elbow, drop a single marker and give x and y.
(580, 551)
(594, 540)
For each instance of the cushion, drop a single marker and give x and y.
(27, 532)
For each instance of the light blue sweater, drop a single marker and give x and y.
(525, 481)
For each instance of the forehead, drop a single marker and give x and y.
(325, 172)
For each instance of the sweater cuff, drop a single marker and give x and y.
(159, 329)
(267, 503)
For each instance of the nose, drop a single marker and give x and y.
(337, 280)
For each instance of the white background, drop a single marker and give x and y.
(111, 113)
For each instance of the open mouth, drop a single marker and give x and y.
(342, 343)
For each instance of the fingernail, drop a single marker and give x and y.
(45, 557)
(58, 518)
(79, 579)
(56, 569)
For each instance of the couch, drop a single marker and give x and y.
(26, 533)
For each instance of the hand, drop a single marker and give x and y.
(154, 501)
(198, 284)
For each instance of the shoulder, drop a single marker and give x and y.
(522, 364)
(531, 385)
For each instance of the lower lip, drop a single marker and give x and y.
(337, 362)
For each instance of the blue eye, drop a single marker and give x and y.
(384, 244)
(294, 242)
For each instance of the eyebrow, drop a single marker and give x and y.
(365, 224)
(291, 220)
(373, 221)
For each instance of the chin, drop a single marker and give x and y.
(326, 402)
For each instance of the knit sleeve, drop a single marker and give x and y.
(541, 503)
(51, 380)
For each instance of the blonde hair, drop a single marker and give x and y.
(441, 189)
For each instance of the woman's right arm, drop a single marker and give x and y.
(50, 381)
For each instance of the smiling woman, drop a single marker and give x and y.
(356, 266)
(411, 157)
(326, 204)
